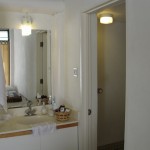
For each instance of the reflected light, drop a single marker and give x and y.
(26, 26)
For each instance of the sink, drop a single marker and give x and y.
(31, 120)
(5, 117)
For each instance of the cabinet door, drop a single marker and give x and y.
(61, 139)
(26, 142)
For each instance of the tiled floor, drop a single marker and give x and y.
(113, 146)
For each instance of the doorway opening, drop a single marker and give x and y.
(91, 138)
(111, 70)
(42, 87)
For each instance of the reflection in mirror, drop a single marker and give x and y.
(28, 74)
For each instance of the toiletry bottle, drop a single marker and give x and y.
(43, 110)
(50, 111)
(54, 103)
(50, 102)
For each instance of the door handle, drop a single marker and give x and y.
(99, 90)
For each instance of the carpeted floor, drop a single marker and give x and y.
(113, 146)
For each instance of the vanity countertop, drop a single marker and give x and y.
(12, 127)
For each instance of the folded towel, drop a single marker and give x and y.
(43, 129)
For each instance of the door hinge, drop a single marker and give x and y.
(89, 112)
(41, 81)
(41, 44)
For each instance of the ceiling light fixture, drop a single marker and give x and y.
(106, 19)
(26, 26)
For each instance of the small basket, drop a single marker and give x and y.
(62, 116)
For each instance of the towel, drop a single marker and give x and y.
(3, 99)
(43, 129)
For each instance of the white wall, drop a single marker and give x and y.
(58, 58)
(72, 48)
(13, 20)
(137, 133)
(73, 11)
(111, 78)
(137, 129)
(25, 64)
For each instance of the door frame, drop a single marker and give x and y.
(88, 73)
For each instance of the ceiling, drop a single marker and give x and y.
(118, 12)
(33, 6)
(54, 6)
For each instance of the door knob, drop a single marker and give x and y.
(99, 91)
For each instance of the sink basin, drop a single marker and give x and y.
(4, 117)
(31, 120)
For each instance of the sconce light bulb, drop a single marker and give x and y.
(26, 30)
(26, 26)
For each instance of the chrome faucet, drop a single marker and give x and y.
(30, 111)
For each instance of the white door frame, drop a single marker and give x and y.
(88, 124)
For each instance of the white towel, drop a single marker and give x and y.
(43, 129)
(3, 99)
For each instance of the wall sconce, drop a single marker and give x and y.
(106, 19)
(26, 25)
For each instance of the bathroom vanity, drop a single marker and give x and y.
(16, 133)
(64, 139)
(30, 78)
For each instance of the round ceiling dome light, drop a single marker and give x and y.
(106, 19)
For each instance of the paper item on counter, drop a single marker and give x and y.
(43, 129)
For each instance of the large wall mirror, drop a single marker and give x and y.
(27, 65)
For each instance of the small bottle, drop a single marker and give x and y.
(50, 111)
(43, 110)
(54, 103)
(50, 102)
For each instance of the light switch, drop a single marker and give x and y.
(75, 72)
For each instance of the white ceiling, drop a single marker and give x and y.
(32, 6)
(53, 6)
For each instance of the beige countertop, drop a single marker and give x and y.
(13, 127)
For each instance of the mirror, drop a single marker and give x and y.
(29, 67)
